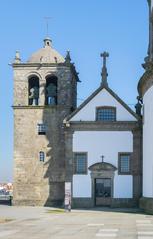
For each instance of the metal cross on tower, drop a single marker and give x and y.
(104, 73)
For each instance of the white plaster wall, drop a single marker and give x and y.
(103, 98)
(82, 186)
(148, 144)
(122, 186)
(109, 144)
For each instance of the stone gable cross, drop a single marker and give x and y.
(104, 73)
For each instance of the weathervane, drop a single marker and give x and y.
(102, 158)
(47, 24)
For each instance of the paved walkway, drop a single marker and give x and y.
(39, 223)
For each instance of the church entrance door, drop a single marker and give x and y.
(103, 191)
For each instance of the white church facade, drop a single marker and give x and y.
(102, 149)
(106, 145)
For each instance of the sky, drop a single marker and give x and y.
(86, 28)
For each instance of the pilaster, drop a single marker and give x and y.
(68, 155)
(137, 163)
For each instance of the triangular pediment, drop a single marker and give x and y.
(103, 96)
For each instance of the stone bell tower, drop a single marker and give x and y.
(45, 90)
(145, 88)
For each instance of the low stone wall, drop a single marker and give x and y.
(55, 203)
(146, 204)
(82, 203)
(124, 202)
(115, 203)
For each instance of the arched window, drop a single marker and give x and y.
(41, 156)
(33, 90)
(51, 90)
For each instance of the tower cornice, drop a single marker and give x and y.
(41, 65)
(18, 65)
(146, 81)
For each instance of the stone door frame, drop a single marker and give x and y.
(101, 171)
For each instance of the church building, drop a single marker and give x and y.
(102, 150)
(106, 144)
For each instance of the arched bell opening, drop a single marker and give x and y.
(51, 90)
(33, 90)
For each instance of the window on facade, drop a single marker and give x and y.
(106, 114)
(41, 129)
(51, 90)
(124, 166)
(80, 163)
(41, 156)
(33, 95)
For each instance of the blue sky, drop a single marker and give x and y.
(86, 28)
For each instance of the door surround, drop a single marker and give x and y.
(102, 171)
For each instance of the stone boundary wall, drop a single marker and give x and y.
(115, 203)
(146, 204)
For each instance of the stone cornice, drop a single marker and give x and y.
(20, 65)
(103, 126)
(146, 81)
(39, 65)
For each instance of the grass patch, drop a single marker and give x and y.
(56, 211)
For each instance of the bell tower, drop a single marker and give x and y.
(145, 89)
(45, 91)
